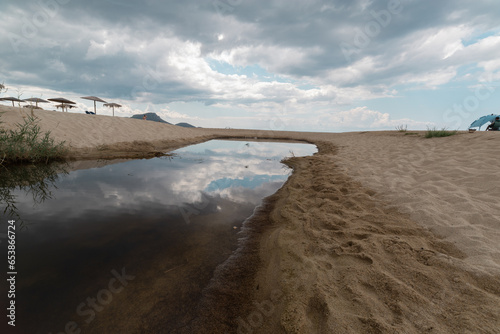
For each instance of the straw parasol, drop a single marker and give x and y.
(36, 100)
(13, 99)
(112, 105)
(65, 106)
(93, 98)
(63, 101)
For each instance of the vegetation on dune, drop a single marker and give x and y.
(402, 128)
(27, 144)
(439, 133)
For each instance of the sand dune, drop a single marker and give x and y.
(449, 185)
(354, 262)
(82, 131)
(379, 232)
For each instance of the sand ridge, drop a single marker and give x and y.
(96, 136)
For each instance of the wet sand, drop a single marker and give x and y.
(379, 232)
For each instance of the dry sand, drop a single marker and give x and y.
(379, 232)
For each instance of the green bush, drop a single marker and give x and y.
(439, 133)
(27, 143)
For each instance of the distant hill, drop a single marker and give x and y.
(151, 116)
(185, 125)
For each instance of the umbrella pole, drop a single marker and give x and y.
(95, 112)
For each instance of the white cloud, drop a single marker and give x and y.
(97, 50)
(490, 65)
(169, 114)
(273, 58)
(364, 118)
(57, 65)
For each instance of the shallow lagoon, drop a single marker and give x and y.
(132, 244)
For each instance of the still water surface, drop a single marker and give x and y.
(128, 247)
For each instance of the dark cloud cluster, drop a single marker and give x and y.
(154, 49)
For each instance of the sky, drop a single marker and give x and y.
(330, 66)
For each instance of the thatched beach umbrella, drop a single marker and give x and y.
(63, 101)
(65, 106)
(112, 105)
(36, 100)
(13, 99)
(93, 98)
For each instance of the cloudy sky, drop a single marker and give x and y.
(315, 65)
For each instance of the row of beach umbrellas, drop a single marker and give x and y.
(64, 103)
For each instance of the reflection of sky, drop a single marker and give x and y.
(142, 214)
(224, 166)
(233, 170)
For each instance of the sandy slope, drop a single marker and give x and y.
(449, 185)
(104, 133)
(379, 232)
(348, 261)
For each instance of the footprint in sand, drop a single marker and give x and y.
(347, 260)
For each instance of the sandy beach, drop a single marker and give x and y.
(379, 232)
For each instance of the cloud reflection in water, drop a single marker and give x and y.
(132, 215)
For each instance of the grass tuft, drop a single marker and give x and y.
(439, 133)
(402, 128)
(27, 144)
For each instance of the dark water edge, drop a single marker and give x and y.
(170, 286)
(229, 296)
(162, 285)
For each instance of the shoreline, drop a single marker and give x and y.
(377, 232)
(378, 272)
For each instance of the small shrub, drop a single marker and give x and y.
(439, 133)
(27, 143)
